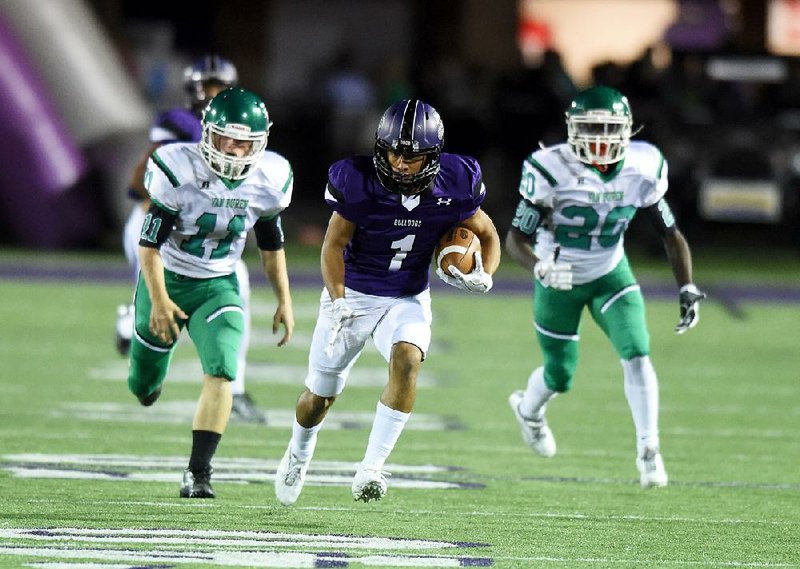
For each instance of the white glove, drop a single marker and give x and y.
(689, 298)
(341, 315)
(477, 280)
(554, 274)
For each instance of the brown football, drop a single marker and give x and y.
(457, 247)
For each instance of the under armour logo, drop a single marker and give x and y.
(443, 201)
(205, 184)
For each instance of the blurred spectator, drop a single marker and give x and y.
(530, 105)
(393, 80)
(609, 73)
(456, 87)
(689, 91)
(350, 101)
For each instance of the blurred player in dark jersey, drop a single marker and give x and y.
(203, 79)
(389, 212)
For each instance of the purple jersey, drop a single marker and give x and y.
(176, 125)
(390, 253)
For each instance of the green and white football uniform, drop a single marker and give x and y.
(213, 214)
(587, 214)
(578, 199)
(212, 218)
(590, 211)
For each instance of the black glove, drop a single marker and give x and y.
(690, 296)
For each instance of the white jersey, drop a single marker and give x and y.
(590, 211)
(213, 215)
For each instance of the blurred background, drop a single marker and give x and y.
(715, 83)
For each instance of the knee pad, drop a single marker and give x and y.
(325, 383)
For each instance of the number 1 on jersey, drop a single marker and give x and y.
(403, 246)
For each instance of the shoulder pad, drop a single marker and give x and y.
(466, 172)
(647, 158)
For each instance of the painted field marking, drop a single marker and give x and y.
(232, 548)
(189, 371)
(133, 468)
(182, 412)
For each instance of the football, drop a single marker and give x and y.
(457, 247)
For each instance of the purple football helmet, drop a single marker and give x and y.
(410, 127)
(210, 68)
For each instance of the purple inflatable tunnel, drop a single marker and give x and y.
(39, 160)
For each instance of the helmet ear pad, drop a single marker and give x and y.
(411, 127)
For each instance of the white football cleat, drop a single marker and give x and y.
(536, 434)
(651, 469)
(369, 484)
(290, 477)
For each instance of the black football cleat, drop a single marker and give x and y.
(197, 485)
(244, 409)
(148, 400)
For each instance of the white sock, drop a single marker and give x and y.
(386, 429)
(536, 396)
(641, 390)
(304, 440)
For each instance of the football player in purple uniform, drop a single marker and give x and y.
(389, 212)
(203, 79)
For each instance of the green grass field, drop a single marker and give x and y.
(88, 479)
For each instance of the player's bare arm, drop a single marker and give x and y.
(483, 227)
(274, 263)
(677, 248)
(680, 256)
(164, 313)
(338, 235)
(520, 249)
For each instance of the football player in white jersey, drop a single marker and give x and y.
(577, 199)
(204, 78)
(205, 197)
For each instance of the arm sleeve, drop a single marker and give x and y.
(269, 233)
(156, 227)
(660, 215)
